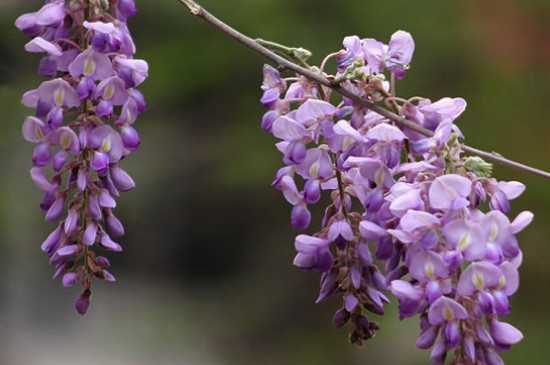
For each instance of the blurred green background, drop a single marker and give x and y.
(206, 276)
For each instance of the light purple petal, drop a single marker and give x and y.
(375, 54)
(386, 133)
(512, 189)
(504, 333)
(51, 14)
(478, 276)
(371, 231)
(522, 221)
(40, 45)
(288, 129)
(58, 92)
(467, 237)
(400, 50)
(90, 234)
(33, 130)
(446, 309)
(404, 290)
(314, 111)
(350, 302)
(309, 244)
(139, 69)
(340, 228)
(427, 265)
(448, 189)
(415, 219)
(39, 178)
(92, 64)
(509, 279)
(343, 128)
(290, 191)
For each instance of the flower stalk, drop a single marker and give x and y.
(83, 127)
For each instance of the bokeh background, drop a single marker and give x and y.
(206, 277)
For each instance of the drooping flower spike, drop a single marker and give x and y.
(407, 214)
(82, 128)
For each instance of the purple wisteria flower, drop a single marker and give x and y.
(82, 129)
(405, 213)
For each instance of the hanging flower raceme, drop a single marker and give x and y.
(82, 129)
(406, 212)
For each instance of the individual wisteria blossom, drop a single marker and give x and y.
(405, 214)
(82, 129)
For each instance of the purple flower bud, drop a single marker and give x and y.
(492, 358)
(493, 253)
(104, 108)
(47, 67)
(106, 200)
(484, 336)
(109, 244)
(499, 201)
(108, 276)
(82, 179)
(328, 286)
(502, 304)
(350, 302)
(486, 302)
(56, 210)
(41, 155)
(469, 348)
(94, 208)
(427, 338)
(85, 87)
(90, 234)
(67, 251)
(433, 291)
(83, 302)
(115, 226)
(40, 179)
(59, 160)
(83, 138)
(100, 42)
(71, 222)
(300, 217)
(452, 334)
(139, 99)
(438, 352)
(364, 254)
(268, 119)
(102, 261)
(130, 137)
(107, 182)
(69, 279)
(127, 8)
(312, 191)
(100, 162)
(341, 317)
(296, 152)
(504, 333)
(384, 248)
(52, 240)
(121, 179)
(55, 117)
(47, 200)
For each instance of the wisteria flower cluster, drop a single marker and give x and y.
(406, 214)
(82, 129)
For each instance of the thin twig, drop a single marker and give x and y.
(202, 13)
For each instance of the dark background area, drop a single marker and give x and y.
(206, 276)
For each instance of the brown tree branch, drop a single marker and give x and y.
(319, 78)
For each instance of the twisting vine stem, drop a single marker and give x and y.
(319, 78)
